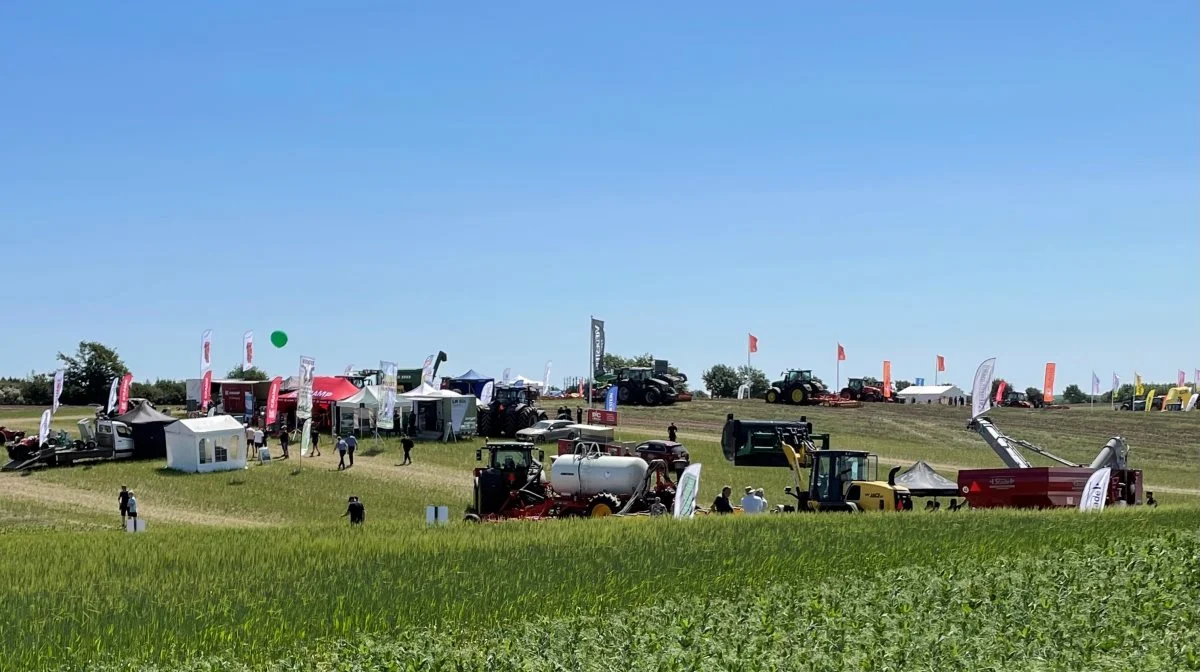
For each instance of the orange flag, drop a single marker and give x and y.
(941, 363)
(841, 353)
(753, 343)
(1048, 388)
(887, 379)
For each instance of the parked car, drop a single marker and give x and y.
(667, 451)
(545, 431)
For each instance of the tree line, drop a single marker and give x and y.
(87, 377)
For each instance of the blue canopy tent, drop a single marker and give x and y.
(470, 382)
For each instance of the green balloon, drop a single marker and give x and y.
(278, 339)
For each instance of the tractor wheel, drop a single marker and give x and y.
(667, 497)
(472, 518)
(484, 424)
(509, 424)
(651, 396)
(526, 418)
(797, 396)
(603, 504)
(542, 415)
(772, 397)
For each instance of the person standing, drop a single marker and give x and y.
(283, 442)
(672, 432)
(315, 435)
(341, 449)
(250, 442)
(133, 508)
(412, 422)
(356, 511)
(721, 503)
(260, 439)
(351, 446)
(408, 446)
(123, 502)
(579, 415)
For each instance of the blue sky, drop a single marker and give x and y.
(383, 180)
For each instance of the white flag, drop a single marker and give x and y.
(304, 398)
(981, 390)
(546, 377)
(206, 350)
(306, 438)
(485, 395)
(1096, 491)
(689, 486)
(504, 376)
(427, 370)
(247, 350)
(44, 428)
(1095, 383)
(112, 395)
(349, 369)
(58, 385)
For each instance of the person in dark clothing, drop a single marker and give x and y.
(579, 415)
(1150, 501)
(356, 511)
(672, 432)
(316, 438)
(408, 446)
(283, 442)
(412, 423)
(123, 503)
(351, 445)
(721, 503)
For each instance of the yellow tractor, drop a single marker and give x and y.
(838, 481)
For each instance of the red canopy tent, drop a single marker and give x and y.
(326, 390)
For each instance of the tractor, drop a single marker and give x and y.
(640, 385)
(1015, 399)
(510, 410)
(857, 389)
(797, 387)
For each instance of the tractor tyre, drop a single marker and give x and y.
(667, 497)
(797, 396)
(651, 396)
(542, 415)
(623, 394)
(526, 418)
(603, 504)
(509, 424)
(772, 397)
(472, 518)
(484, 424)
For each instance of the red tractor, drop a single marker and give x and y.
(857, 389)
(8, 436)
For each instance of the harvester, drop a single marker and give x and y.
(511, 484)
(838, 480)
(1022, 485)
(511, 409)
(799, 387)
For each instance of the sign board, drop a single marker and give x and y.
(437, 515)
(596, 416)
(264, 455)
(135, 525)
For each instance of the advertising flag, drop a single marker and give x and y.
(887, 379)
(306, 438)
(841, 353)
(1095, 493)
(546, 378)
(610, 399)
(918, 381)
(1095, 383)
(348, 370)
(123, 394)
(1182, 378)
(1149, 399)
(597, 337)
(1000, 392)
(504, 376)
(1048, 387)
(689, 487)
(206, 350)
(44, 428)
(273, 401)
(1138, 390)
(753, 344)
(981, 388)
(387, 412)
(112, 395)
(1116, 386)
(205, 389)
(304, 397)
(58, 385)
(247, 350)
(485, 395)
(941, 363)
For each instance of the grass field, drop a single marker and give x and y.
(255, 570)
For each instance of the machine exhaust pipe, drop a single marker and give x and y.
(892, 476)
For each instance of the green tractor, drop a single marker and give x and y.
(797, 387)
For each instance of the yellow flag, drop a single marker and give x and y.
(1149, 400)
(1137, 384)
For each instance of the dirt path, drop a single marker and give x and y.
(26, 488)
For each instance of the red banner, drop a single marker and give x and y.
(1048, 388)
(887, 379)
(205, 390)
(753, 343)
(123, 394)
(599, 416)
(1000, 392)
(841, 353)
(273, 401)
(941, 363)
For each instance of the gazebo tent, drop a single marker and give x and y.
(216, 443)
(440, 410)
(923, 481)
(147, 426)
(470, 382)
(327, 391)
(359, 411)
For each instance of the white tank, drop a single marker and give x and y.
(574, 475)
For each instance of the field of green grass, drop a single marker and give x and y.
(255, 569)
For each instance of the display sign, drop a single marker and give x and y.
(597, 416)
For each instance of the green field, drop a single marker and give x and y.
(256, 570)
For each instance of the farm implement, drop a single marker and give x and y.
(798, 387)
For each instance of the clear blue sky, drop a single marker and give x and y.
(385, 179)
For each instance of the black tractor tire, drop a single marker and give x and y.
(484, 424)
(667, 497)
(623, 394)
(526, 417)
(603, 504)
(472, 518)
(542, 415)
(509, 424)
(651, 396)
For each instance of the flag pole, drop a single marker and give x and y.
(837, 376)
(591, 359)
(935, 370)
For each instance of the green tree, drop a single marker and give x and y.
(901, 384)
(1035, 397)
(252, 373)
(161, 392)
(1074, 395)
(757, 379)
(722, 380)
(90, 372)
(38, 389)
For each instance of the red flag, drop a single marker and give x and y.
(1000, 392)
(841, 353)
(753, 343)
(273, 401)
(887, 379)
(1048, 387)
(941, 363)
(123, 394)
(205, 390)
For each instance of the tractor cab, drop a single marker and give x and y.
(846, 480)
(637, 373)
(510, 476)
(511, 396)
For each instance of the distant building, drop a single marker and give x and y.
(931, 394)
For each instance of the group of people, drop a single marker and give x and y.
(754, 501)
(127, 501)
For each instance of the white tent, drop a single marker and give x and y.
(370, 396)
(931, 394)
(216, 443)
(423, 391)
(527, 382)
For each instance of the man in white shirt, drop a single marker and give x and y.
(749, 501)
(259, 439)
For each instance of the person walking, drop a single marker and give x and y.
(351, 446)
(133, 508)
(283, 442)
(123, 503)
(356, 511)
(315, 434)
(672, 432)
(341, 449)
(721, 503)
(408, 446)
